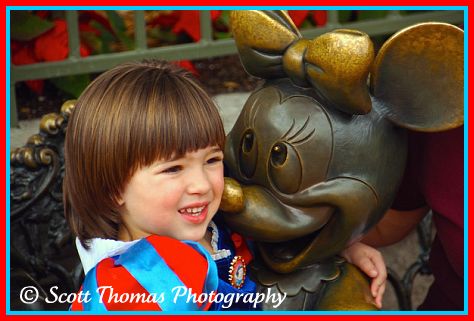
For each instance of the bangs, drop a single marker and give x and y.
(180, 118)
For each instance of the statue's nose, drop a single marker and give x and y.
(232, 197)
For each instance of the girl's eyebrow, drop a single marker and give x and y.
(173, 158)
(162, 162)
(216, 150)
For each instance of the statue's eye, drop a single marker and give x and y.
(284, 168)
(278, 155)
(248, 142)
(248, 154)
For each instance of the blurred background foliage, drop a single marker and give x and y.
(41, 36)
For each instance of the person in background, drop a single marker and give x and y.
(433, 180)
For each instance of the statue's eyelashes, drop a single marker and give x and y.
(289, 130)
(305, 138)
(294, 138)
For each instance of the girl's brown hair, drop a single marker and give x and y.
(127, 118)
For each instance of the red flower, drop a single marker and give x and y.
(186, 64)
(320, 17)
(215, 14)
(42, 14)
(189, 23)
(88, 16)
(298, 16)
(165, 20)
(37, 86)
(50, 46)
(53, 45)
(24, 55)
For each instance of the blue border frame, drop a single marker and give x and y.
(7, 156)
(306, 313)
(466, 162)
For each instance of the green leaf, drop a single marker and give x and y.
(167, 36)
(92, 41)
(344, 15)
(106, 38)
(225, 18)
(25, 26)
(221, 35)
(306, 24)
(409, 12)
(119, 27)
(371, 14)
(73, 85)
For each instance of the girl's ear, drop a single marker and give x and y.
(418, 77)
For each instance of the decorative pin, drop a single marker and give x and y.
(237, 272)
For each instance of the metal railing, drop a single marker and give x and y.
(206, 47)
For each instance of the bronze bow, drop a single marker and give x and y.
(336, 63)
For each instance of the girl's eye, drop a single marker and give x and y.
(173, 169)
(213, 160)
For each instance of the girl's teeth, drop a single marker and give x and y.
(193, 211)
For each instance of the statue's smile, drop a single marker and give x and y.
(285, 251)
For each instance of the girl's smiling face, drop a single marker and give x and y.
(175, 198)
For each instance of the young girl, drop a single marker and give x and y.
(144, 178)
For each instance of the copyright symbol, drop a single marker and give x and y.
(29, 294)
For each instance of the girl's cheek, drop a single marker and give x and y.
(220, 183)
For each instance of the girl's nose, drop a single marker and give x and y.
(198, 182)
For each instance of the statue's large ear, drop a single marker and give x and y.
(418, 77)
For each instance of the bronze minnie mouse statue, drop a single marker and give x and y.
(318, 151)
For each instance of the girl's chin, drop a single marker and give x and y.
(197, 237)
